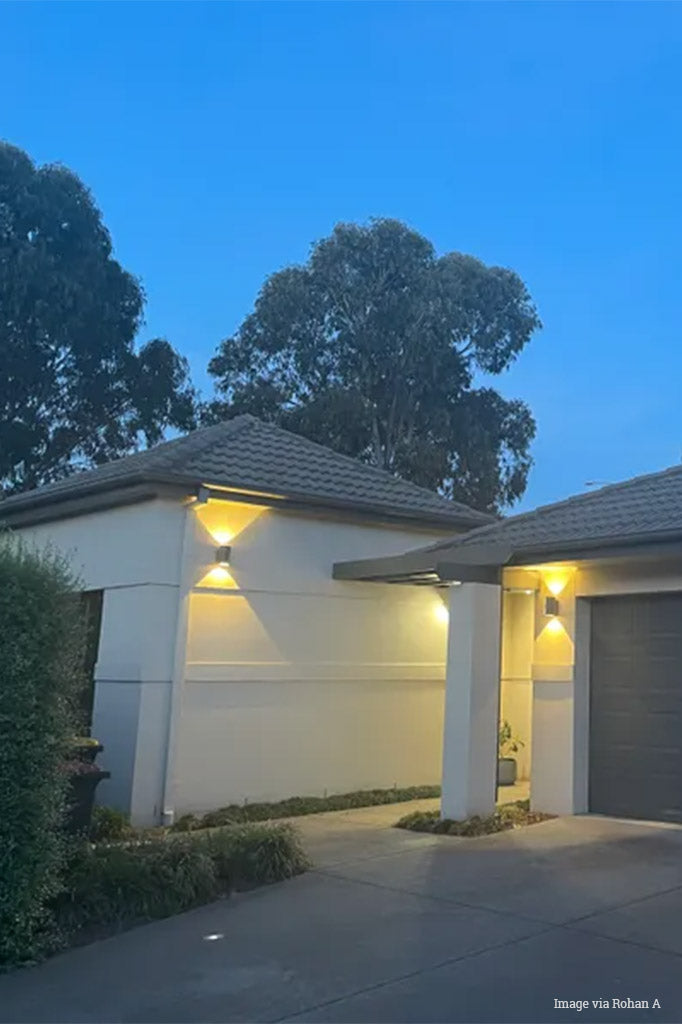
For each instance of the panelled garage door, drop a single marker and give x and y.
(636, 707)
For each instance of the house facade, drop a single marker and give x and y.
(277, 620)
(231, 665)
(569, 620)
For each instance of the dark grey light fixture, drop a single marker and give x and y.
(551, 606)
(223, 554)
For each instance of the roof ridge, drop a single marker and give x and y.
(196, 441)
(244, 451)
(354, 462)
(619, 485)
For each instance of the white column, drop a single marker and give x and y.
(132, 692)
(472, 697)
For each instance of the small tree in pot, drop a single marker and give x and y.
(507, 745)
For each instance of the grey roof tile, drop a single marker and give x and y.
(643, 507)
(246, 453)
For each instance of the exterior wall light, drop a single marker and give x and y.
(551, 606)
(441, 612)
(223, 554)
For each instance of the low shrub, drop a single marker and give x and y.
(109, 824)
(108, 884)
(255, 854)
(508, 816)
(142, 879)
(297, 806)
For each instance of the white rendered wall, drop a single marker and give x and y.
(299, 684)
(294, 683)
(132, 553)
(516, 683)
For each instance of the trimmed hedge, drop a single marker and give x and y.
(508, 816)
(298, 806)
(41, 654)
(119, 883)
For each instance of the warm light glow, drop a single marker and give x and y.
(223, 536)
(441, 612)
(219, 572)
(554, 625)
(223, 523)
(556, 577)
(218, 576)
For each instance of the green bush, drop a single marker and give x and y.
(107, 823)
(508, 816)
(297, 806)
(255, 854)
(116, 883)
(41, 654)
(108, 884)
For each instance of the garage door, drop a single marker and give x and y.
(636, 707)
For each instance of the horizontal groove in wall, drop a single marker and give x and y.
(379, 594)
(137, 681)
(314, 672)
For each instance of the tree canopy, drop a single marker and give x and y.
(380, 348)
(74, 391)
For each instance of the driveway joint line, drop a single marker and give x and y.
(414, 974)
(622, 906)
(624, 941)
(441, 899)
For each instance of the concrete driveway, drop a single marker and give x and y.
(394, 926)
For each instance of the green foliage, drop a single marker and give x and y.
(374, 346)
(73, 390)
(109, 824)
(116, 883)
(41, 644)
(507, 742)
(508, 816)
(256, 854)
(106, 884)
(296, 806)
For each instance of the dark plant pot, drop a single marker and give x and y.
(88, 752)
(506, 771)
(80, 799)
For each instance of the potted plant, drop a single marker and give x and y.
(86, 748)
(507, 745)
(84, 777)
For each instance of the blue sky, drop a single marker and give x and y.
(220, 140)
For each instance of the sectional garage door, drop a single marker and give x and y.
(636, 707)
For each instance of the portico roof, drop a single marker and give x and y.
(634, 518)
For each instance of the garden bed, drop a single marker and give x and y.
(109, 886)
(508, 816)
(298, 806)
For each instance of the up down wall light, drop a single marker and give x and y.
(551, 606)
(223, 554)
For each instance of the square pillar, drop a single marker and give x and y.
(472, 700)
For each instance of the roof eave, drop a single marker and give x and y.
(484, 563)
(31, 507)
(597, 548)
(427, 566)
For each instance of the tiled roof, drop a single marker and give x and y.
(646, 507)
(246, 454)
